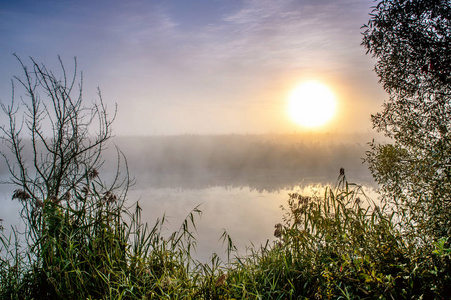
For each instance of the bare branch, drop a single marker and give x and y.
(54, 146)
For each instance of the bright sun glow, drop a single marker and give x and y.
(311, 104)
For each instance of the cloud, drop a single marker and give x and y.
(263, 35)
(282, 34)
(136, 24)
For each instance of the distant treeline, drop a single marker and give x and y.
(263, 162)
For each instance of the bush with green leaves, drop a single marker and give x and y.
(411, 41)
(341, 245)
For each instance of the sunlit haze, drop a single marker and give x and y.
(311, 104)
(200, 67)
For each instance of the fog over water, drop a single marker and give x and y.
(261, 162)
(239, 181)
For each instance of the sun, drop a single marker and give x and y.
(311, 104)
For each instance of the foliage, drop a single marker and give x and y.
(411, 41)
(93, 253)
(341, 245)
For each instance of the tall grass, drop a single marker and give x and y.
(94, 249)
(341, 245)
(336, 245)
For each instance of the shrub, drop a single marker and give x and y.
(341, 245)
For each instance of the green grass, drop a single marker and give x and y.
(337, 245)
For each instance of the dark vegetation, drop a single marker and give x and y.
(82, 242)
(411, 41)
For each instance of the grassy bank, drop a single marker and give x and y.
(339, 245)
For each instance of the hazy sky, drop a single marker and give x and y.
(200, 66)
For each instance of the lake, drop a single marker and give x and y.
(239, 181)
(248, 215)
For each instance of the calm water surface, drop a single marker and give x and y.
(246, 214)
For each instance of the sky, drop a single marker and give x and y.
(200, 66)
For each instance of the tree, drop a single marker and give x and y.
(52, 140)
(55, 145)
(411, 40)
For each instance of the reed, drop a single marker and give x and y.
(336, 245)
(341, 245)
